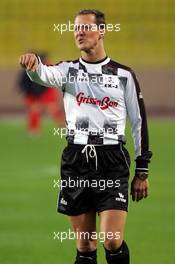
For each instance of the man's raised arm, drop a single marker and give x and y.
(52, 76)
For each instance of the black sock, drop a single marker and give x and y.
(118, 256)
(86, 257)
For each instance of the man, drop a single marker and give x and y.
(96, 105)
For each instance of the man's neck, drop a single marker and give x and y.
(93, 56)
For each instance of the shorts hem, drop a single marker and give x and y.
(97, 211)
(73, 213)
(113, 208)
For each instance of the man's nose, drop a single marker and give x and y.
(80, 32)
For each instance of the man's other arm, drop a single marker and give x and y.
(50, 76)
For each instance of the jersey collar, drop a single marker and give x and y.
(100, 62)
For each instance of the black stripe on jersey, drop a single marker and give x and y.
(144, 128)
(116, 65)
(123, 81)
(110, 68)
(70, 136)
(95, 139)
(141, 161)
(82, 67)
(82, 124)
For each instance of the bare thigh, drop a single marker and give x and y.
(112, 223)
(84, 225)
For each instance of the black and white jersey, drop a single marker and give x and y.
(98, 97)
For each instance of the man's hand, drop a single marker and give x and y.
(139, 189)
(29, 61)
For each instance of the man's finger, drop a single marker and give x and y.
(21, 61)
(26, 60)
(139, 195)
(34, 67)
(146, 193)
(32, 63)
(134, 195)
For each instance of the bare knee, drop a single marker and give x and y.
(112, 244)
(86, 245)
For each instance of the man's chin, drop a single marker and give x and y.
(85, 49)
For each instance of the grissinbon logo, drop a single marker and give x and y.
(103, 103)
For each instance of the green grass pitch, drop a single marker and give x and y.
(28, 199)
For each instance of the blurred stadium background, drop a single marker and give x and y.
(29, 166)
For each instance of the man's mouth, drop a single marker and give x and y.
(81, 41)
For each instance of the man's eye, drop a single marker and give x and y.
(87, 27)
(82, 27)
(76, 27)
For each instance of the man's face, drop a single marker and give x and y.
(86, 32)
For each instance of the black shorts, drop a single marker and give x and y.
(91, 182)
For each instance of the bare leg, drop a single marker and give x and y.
(85, 223)
(113, 222)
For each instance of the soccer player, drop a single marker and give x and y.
(99, 93)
